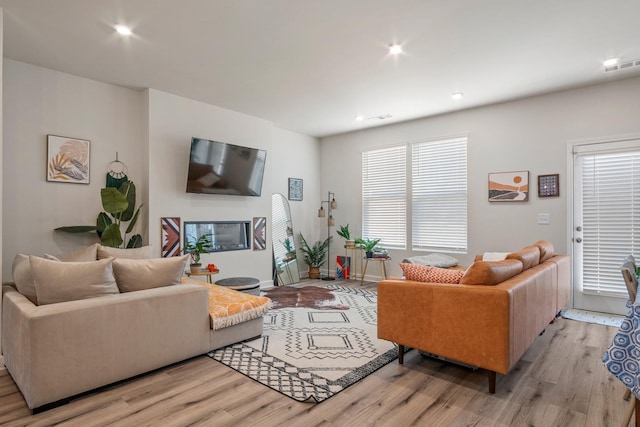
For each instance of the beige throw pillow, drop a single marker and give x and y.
(138, 274)
(81, 255)
(133, 253)
(23, 278)
(69, 281)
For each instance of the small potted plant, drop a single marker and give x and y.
(367, 245)
(346, 235)
(194, 248)
(291, 251)
(315, 256)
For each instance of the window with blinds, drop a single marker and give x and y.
(439, 195)
(384, 196)
(431, 192)
(611, 221)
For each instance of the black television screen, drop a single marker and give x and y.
(219, 168)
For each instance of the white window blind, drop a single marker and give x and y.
(384, 196)
(611, 224)
(439, 195)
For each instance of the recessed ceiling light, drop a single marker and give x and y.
(123, 29)
(395, 49)
(611, 61)
(359, 118)
(457, 95)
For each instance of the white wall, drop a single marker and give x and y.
(37, 102)
(529, 134)
(172, 122)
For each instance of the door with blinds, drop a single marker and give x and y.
(606, 222)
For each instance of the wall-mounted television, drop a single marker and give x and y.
(220, 168)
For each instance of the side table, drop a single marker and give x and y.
(203, 273)
(383, 269)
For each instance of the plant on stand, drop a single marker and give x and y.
(346, 235)
(195, 248)
(367, 245)
(315, 256)
(291, 251)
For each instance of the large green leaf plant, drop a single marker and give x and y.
(119, 206)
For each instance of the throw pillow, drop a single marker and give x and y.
(434, 260)
(132, 253)
(416, 272)
(22, 277)
(494, 256)
(138, 274)
(443, 275)
(84, 254)
(69, 281)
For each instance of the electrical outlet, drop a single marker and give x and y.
(544, 218)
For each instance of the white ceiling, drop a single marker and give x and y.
(311, 66)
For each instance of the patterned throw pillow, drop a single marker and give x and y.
(415, 272)
(444, 275)
(427, 274)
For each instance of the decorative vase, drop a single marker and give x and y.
(314, 272)
(195, 268)
(349, 244)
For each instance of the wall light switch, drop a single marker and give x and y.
(544, 218)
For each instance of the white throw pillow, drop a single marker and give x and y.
(494, 256)
(434, 260)
(133, 253)
(22, 277)
(81, 255)
(69, 281)
(138, 274)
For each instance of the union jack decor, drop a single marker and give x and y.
(170, 236)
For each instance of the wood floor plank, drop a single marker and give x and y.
(560, 381)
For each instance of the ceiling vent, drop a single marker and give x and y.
(622, 66)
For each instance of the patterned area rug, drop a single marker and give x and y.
(310, 354)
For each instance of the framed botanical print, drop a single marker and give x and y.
(295, 189)
(68, 159)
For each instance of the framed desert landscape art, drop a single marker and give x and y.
(509, 186)
(68, 159)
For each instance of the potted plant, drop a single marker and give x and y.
(194, 248)
(291, 251)
(367, 245)
(314, 255)
(346, 235)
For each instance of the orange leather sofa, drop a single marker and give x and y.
(488, 320)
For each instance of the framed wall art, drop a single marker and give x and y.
(295, 189)
(68, 159)
(170, 236)
(509, 186)
(549, 185)
(259, 233)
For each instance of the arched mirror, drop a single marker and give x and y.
(283, 241)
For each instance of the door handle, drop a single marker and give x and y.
(578, 239)
(578, 228)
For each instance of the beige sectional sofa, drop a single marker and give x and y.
(488, 319)
(57, 350)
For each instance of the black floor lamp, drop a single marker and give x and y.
(331, 205)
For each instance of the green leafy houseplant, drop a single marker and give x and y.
(119, 208)
(314, 255)
(288, 246)
(197, 247)
(344, 232)
(367, 245)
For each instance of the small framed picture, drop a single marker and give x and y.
(509, 186)
(549, 185)
(259, 233)
(295, 189)
(68, 159)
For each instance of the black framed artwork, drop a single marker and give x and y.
(549, 185)
(295, 189)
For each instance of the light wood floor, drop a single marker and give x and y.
(560, 381)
